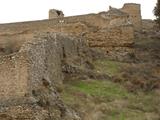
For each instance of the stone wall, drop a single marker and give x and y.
(39, 60)
(121, 36)
(15, 34)
(53, 13)
(13, 76)
(116, 41)
(45, 60)
(24, 27)
(23, 72)
(89, 27)
(29, 77)
(134, 10)
(119, 21)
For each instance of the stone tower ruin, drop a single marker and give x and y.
(134, 11)
(53, 13)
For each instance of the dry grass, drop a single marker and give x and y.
(111, 101)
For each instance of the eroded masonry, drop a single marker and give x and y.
(32, 53)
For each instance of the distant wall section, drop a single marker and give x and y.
(13, 35)
(134, 11)
(53, 13)
(114, 37)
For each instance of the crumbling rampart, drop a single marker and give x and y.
(80, 26)
(31, 75)
(38, 60)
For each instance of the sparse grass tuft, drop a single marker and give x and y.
(108, 67)
(105, 89)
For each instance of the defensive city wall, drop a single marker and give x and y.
(15, 34)
(27, 63)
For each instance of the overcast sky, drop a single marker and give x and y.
(24, 10)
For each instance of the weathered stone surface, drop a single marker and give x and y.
(134, 11)
(33, 73)
(123, 20)
(53, 13)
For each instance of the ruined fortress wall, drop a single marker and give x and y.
(20, 27)
(134, 10)
(123, 20)
(25, 71)
(91, 20)
(36, 64)
(13, 76)
(53, 13)
(28, 79)
(113, 37)
(44, 59)
(18, 33)
(115, 42)
(94, 28)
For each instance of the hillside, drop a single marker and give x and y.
(130, 92)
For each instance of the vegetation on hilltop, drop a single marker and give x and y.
(157, 12)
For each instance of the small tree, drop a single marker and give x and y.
(157, 12)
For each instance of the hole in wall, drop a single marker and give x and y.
(63, 51)
(34, 93)
(45, 82)
(58, 12)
